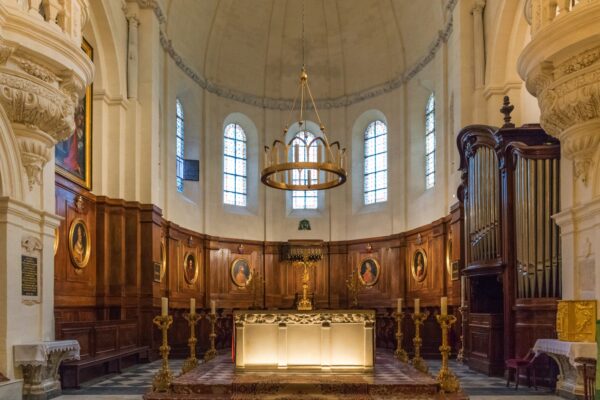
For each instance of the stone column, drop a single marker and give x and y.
(561, 67)
(478, 60)
(43, 72)
(132, 57)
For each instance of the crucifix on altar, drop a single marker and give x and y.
(304, 255)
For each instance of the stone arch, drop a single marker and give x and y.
(11, 173)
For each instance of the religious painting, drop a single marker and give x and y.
(190, 268)
(368, 272)
(80, 244)
(419, 265)
(241, 274)
(74, 155)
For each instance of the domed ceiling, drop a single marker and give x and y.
(255, 47)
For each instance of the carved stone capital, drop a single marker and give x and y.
(580, 143)
(37, 104)
(36, 151)
(478, 7)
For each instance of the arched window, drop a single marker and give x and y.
(235, 166)
(430, 142)
(376, 163)
(304, 199)
(179, 132)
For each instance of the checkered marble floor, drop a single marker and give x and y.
(136, 381)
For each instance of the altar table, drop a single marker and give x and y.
(570, 380)
(317, 340)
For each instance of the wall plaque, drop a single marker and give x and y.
(157, 272)
(29, 276)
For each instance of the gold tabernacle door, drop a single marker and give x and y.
(316, 340)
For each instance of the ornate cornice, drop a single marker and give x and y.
(304, 318)
(273, 103)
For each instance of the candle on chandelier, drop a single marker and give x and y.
(444, 306)
(192, 306)
(213, 307)
(399, 305)
(164, 306)
(417, 306)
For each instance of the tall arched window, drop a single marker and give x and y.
(235, 166)
(304, 199)
(430, 142)
(376, 163)
(179, 133)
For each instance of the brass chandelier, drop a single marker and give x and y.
(304, 163)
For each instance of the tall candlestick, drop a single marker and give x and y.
(463, 287)
(213, 307)
(192, 306)
(417, 306)
(399, 305)
(164, 306)
(444, 306)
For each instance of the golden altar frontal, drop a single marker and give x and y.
(317, 340)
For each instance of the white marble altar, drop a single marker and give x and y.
(318, 340)
(570, 381)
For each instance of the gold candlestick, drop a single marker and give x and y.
(162, 379)
(448, 381)
(460, 357)
(191, 362)
(417, 361)
(400, 354)
(212, 352)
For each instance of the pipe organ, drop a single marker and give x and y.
(510, 190)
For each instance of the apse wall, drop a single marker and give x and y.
(432, 50)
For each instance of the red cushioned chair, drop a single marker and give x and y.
(518, 364)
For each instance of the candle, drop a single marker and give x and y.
(192, 306)
(444, 305)
(417, 306)
(463, 292)
(164, 306)
(399, 305)
(213, 307)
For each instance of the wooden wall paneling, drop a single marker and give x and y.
(274, 279)
(74, 287)
(133, 258)
(339, 271)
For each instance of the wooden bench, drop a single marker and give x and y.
(104, 345)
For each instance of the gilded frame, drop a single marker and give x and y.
(190, 280)
(413, 270)
(80, 261)
(233, 273)
(163, 260)
(56, 240)
(86, 180)
(361, 279)
(449, 256)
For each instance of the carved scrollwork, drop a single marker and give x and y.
(304, 318)
(37, 105)
(35, 69)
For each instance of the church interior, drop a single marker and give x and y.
(299, 199)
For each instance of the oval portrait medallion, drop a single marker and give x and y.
(419, 265)
(240, 272)
(368, 272)
(190, 268)
(80, 244)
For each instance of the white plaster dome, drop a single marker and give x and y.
(254, 47)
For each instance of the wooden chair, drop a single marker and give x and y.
(589, 377)
(518, 364)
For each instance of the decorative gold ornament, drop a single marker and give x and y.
(400, 354)
(162, 379)
(305, 258)
(448, 381)
(576, 320)
(417, 360)
(212, 352)
(352, 283)
(191, 362)
(304, 164)
(80, 243)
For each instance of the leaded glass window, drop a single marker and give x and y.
(235, 166)
(304, 199)
(179, 143)
(430, 142)
(376, 187)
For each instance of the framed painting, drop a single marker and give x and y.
(240, 272)
(74, 155)
(419, 265)
(190, 268)
(368, 272)
(80, 244)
